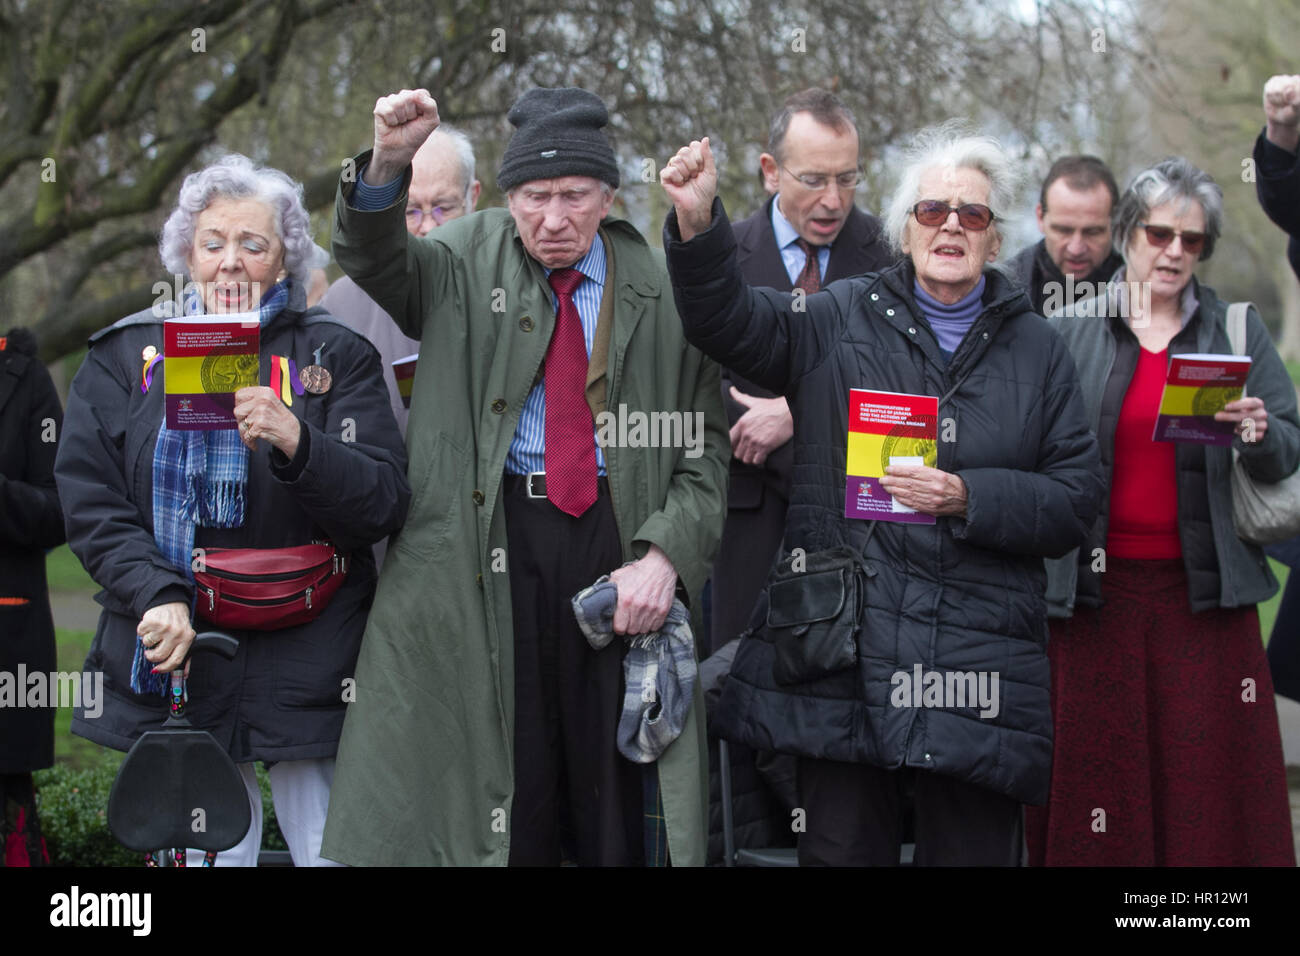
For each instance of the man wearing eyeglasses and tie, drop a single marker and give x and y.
(808, 234)
(443, 188)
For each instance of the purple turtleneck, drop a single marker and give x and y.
(950, 322)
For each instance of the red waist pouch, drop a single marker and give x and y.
(266, 589)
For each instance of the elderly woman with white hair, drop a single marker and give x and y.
(315, 467)
(864, 671)
(1161, 694)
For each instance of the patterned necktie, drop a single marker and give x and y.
(570, 446)
(810, 279)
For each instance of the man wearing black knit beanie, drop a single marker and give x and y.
(484, 726)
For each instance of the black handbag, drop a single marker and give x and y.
(815, 605)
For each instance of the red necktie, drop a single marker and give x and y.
(570, 447)
(810, 279)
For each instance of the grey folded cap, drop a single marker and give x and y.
(658, 672)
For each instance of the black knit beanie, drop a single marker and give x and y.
(557, 133)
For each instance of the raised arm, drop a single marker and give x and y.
(370, 242)
(772, 338)
(1277, 173)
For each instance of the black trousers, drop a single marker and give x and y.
(751, 539)
(576, 797)
(855, 818)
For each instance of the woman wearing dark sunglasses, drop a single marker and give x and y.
(1016, 478)
(1167, 749)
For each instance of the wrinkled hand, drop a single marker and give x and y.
(1242, 409)
(927, 490)
(691, 181)
(1282, 111)
(403, 121)
(765, 427)
(167, 635)
(645, 593)
(261, 414)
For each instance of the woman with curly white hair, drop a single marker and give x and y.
(314, 461)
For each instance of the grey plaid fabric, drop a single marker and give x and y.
(658, 671)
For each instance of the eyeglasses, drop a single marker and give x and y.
(415, 215)
(1161, 236)
(816, 182)
(971, 215)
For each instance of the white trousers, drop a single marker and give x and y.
(300, 791)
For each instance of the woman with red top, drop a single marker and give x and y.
(1167, 750)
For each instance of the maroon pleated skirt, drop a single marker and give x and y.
(1167, 750)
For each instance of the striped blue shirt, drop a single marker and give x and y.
(369, 198)
(528, 447)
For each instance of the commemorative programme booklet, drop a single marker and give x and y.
(207, 358)
(887, 428)
(1198, 385)
(404, 372)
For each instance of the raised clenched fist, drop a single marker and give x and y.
(1282, 110)
(691, 181)
(403, 121)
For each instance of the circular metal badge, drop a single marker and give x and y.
(315, 378)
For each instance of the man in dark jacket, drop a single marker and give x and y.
(1277, 183)
(808, 234)
(31, 522)
(1074, 258)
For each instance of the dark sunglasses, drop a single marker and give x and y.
(973, 216)
(1161, 236)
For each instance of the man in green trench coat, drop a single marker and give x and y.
(426, 766)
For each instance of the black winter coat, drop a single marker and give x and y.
(283, 695)
(1277, 183)
(963, 595)
(30, 523)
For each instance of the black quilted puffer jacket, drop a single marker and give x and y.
(965, 595)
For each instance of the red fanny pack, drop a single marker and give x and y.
(266, 589)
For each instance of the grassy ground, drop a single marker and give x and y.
(65, 573)
(1268, 610)
(76, 751)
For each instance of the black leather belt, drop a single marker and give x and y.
(533, 485)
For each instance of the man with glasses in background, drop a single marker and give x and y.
(443, 188)
(808, 234)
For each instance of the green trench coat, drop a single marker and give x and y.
(425, 764)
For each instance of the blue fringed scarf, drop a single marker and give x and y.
(198, 480)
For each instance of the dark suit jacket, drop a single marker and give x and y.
(860, 247)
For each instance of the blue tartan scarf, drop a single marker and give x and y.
(198, 480)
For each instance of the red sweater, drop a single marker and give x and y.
(1144, 491)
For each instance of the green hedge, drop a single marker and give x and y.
(73, 809)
